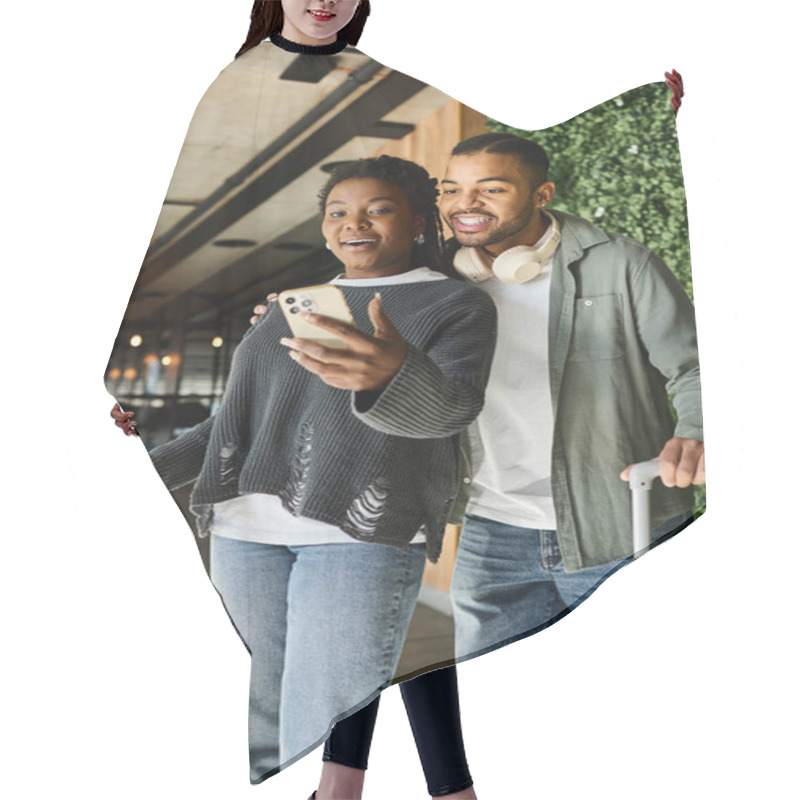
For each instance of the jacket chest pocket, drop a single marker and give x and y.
(597, 329)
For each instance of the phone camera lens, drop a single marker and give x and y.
(306, 303)
(290, 300)
(295, 310)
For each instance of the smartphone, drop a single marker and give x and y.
(326, 299)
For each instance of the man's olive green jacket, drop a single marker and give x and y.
(622, 341)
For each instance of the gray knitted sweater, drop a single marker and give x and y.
(380, 465)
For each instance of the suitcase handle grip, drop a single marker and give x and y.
(640, 482)
(642, 475)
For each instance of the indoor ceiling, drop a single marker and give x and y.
(241, 217)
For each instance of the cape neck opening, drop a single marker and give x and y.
(308, 49)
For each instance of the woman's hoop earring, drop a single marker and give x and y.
(327, 245)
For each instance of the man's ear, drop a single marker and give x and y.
(544, 193)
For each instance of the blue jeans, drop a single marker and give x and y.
(324, 624)
(509, 583)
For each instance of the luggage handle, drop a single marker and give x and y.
(640, 482)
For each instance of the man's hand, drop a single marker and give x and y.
(260, 310)
(124, 420)
(367, 362)
(682, 463)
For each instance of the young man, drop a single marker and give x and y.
(595, 334)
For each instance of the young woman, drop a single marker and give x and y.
(326, 467)
(315, 23)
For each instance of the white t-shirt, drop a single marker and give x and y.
(262, 518)
(512, 438)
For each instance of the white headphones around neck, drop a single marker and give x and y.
(515, 265)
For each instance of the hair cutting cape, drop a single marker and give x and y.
(241, 220)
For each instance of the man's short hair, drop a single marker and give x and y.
(528, 152)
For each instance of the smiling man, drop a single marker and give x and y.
(595, 334)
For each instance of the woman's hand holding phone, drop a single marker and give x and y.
(364, 363)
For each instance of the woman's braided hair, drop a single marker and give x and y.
(266, 19)
(417, 185)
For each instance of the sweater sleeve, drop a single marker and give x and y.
(179, 462)
(439, 391)
(666, 325)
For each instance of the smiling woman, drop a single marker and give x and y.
(370, 227)
(364, 208)
(326, 476)
(316, 21)
(327, 473)
(306, 22)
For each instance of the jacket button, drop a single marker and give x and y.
(467, 480)
(588, 303)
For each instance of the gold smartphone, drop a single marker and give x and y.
(326, 299)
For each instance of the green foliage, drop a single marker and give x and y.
(618, 165)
